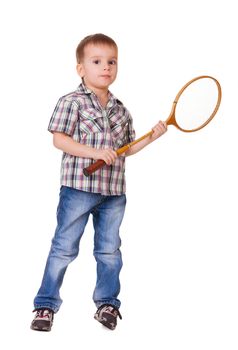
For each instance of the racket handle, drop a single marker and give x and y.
(93, 167)
(100, 163)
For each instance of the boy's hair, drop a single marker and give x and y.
(93, 39)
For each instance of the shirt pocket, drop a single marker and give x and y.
(119, 131)
(91, 121)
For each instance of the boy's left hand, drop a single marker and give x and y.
(159, 129)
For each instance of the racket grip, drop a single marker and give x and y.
(93, 167)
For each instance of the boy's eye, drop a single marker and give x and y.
(96, 61)
(112, 62)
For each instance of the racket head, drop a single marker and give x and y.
(196, 104)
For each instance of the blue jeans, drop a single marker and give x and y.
(72, 215)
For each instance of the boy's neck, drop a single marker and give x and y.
(102, 95)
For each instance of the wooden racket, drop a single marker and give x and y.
(193, 108)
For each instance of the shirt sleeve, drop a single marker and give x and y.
(64, 117)
(130, 129)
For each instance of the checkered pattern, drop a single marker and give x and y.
(80, 115)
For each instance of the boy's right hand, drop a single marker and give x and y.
(108, 155)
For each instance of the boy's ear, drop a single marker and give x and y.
(80, 70)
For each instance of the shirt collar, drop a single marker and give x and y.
(83, 89)
(113, 101)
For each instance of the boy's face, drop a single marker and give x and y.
(99, 66)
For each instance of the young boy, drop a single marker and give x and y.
(90, 124)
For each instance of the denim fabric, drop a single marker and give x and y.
(73, 212)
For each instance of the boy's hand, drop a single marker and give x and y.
(108, 155)
(159, 129)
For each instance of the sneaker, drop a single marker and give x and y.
(43, 320)
(107, 315)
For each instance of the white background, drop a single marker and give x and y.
(179, 281)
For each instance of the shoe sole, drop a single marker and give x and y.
(105, 323)
(40, 329)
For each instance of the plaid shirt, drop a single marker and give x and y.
(80, 115)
